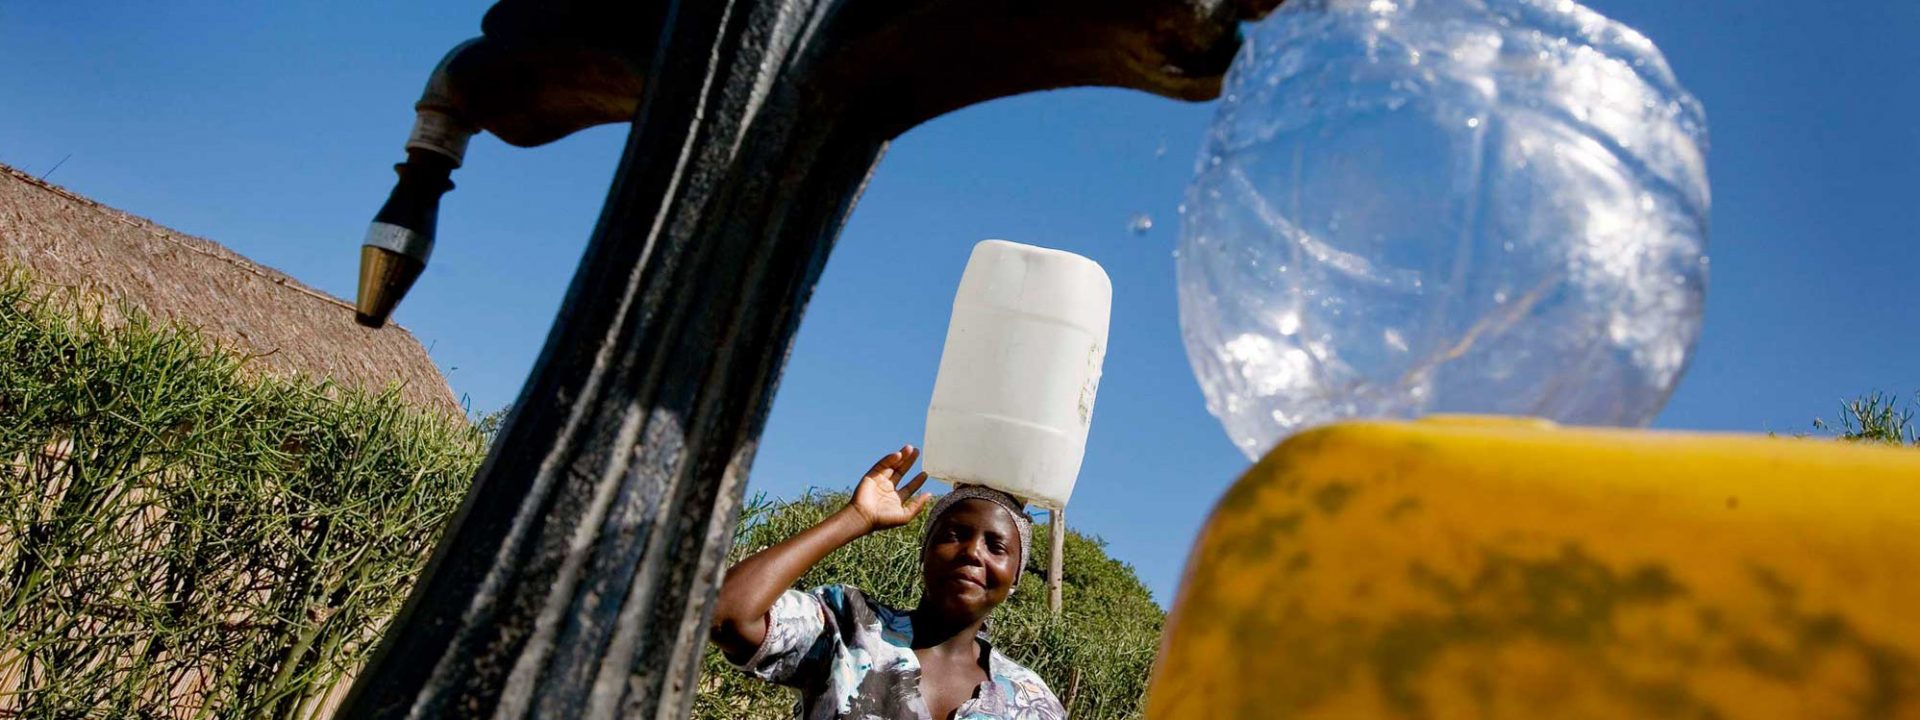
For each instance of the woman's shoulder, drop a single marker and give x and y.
(841, 594)
(852, 602)
(1027, 686)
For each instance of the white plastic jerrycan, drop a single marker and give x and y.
(1014, 397)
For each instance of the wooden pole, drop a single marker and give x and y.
(1073, 689)
(1057, 528)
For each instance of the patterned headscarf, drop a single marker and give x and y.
(1014, 508)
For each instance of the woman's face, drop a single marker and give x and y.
(971, 560)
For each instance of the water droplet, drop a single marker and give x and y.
(1289, 323)
(1393, 339)
(1140, 223)
(1473, 122)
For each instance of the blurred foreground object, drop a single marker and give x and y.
(1484, 567)
(1460, 206)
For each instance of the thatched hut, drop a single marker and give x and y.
(286, 328)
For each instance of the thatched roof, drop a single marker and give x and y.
(68, 241)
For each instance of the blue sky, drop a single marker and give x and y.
(272, 128)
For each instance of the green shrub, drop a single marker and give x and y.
(1096, 657)
(178, 538)
(1875, 417)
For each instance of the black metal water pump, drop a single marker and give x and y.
(575, 580)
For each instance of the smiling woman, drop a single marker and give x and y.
(853, 656)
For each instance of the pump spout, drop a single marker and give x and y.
(400, 239)
(528, 89)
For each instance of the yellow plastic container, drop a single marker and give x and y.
(1496, 568)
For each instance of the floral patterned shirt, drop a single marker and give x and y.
(852, 657)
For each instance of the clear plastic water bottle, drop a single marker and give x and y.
(1415, 206)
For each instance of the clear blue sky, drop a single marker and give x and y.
(272, 128)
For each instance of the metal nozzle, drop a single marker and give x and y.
(385, 277)
(401, 237)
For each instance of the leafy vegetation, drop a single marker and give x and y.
(181, 539)
(1875, 417)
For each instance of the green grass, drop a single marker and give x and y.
(180, 539)
(1875, 417)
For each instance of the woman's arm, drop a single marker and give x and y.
(751, 587)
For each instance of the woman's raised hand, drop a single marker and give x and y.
(882, 499)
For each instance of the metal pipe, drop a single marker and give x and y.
(576, 579)
(528, 88)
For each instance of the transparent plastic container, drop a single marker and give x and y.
(1465, 206)
(1014, 397)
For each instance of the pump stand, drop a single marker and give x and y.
(577, 578)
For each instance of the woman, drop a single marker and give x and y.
(853, 657)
